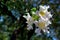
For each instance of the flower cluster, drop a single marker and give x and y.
(40, 18)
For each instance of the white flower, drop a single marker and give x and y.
(29, 21)
(42, 24)
(43, 12)
(28, 18)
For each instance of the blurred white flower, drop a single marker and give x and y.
(43, 12)
(29, 21)
(44, 17)
(42, 24)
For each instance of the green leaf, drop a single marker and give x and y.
(35, 17)
(33, 9)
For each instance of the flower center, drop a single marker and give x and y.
(42, 13)
(41, 25)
